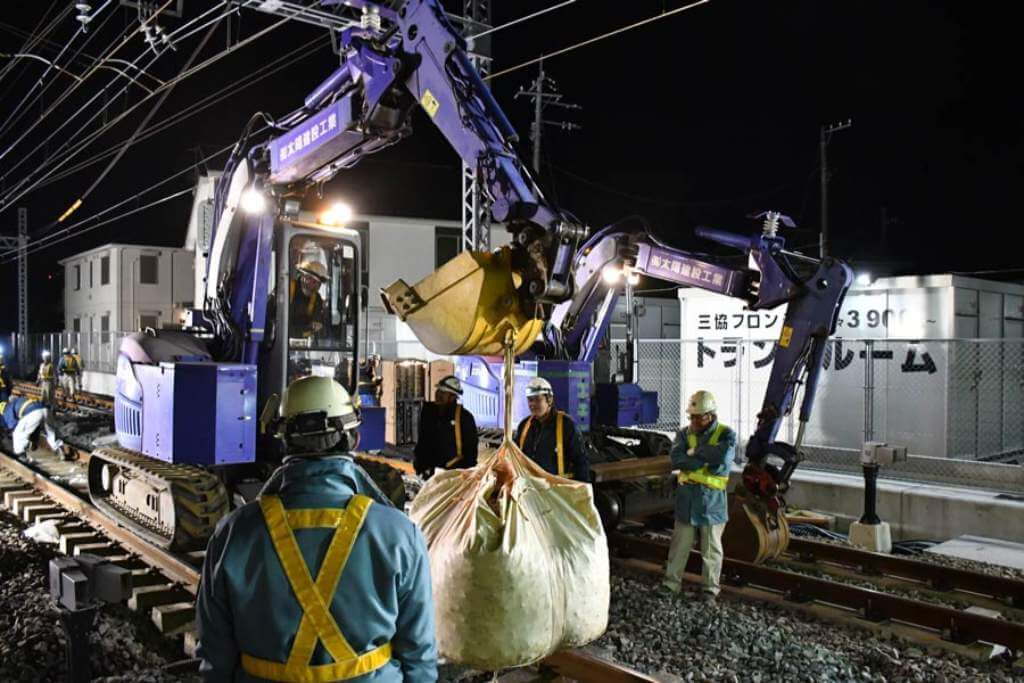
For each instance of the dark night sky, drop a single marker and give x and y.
(699, 118)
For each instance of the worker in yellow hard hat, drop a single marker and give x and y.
(307, 312)
(320, 578)
(702, 455)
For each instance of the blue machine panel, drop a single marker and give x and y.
(371, 431)
(199, 413)
(484, 396)
(625, 405)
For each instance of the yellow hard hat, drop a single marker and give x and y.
(314, 268)
(701, 402)
(316, 405)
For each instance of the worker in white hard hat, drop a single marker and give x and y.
(550, 437)
(447, 431)
(702, 454)
(307, 312)
(320, 578)
(44, 378)
(68, 370)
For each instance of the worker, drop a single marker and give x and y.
(447, 431)
(549, 436)
(307, 309)
(68, 371)
(80, 367)
(320, 579)
(5, 379)
(44, 379)
(703, 454)
(25, 418)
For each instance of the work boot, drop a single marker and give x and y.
(708, 598)
(665, 591)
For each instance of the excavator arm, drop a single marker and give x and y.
(391, 63)
(813, 291)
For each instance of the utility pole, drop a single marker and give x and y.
(476, 205)
(826, 134)
(544, 93)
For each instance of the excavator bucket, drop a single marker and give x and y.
(755, 533)
(467, 307)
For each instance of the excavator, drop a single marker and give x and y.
(813, 291)
(188, 403)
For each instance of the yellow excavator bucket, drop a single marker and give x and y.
(467, 307)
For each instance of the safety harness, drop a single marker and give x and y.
(317, 623)
(703, 476)
(458, 437)
(559, 448)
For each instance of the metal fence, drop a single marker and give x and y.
(956, 404)
(98, 350)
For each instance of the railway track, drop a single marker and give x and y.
(165, 583)
(925, 622)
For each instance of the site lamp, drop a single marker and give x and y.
(336, 215)
(253, 201)
(611, 274)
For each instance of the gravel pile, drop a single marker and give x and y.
(126, 647)
(756, 642)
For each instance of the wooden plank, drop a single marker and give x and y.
(101, 549)
(145, 598)
(68, 542)
(32, 513)
(172, 617)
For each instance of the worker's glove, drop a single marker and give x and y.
(425, 472)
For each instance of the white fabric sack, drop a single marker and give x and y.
(43, 532)
(518, 560)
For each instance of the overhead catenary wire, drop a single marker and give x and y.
(35, 36)
(12, 197)
(534, 15)
(591, 41)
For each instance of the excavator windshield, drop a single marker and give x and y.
(322, 311)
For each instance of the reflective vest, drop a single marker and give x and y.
(458, 437)
(70, 366)
(703, 476)
(46, 371)
(559, 447)
(317, 623)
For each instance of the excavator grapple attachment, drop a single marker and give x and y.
(467, 307)
(755, 532)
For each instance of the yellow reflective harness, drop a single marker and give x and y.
(458, 437)
(317, 623)
(559, 448)
(46, 370)
(703, 475)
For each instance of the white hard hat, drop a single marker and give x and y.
(451, 385)
(539, 386)
(65, 350)
(74, 350)
(310, 404)
(701, 402)
(46, 354)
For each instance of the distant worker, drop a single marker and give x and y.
(307, 312)
(81, 369)
(68, 371)
(447, 433)
(703, 454)
(25, 418)
(45, 379)
(270, 608)
(550, 437)
(5, 379)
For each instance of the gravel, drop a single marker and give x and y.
(747, 641)
(126, 647)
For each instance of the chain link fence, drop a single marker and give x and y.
(956, 404)
(98, 350)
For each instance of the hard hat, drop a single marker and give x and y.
(65, 350)
(317, 405)
(74, 350)
(451, 385)
(539, 386)
(701, 402)
(314, 268)
(46, 354)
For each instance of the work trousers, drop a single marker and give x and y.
(683, 536)
(27, 425)
(69, 383)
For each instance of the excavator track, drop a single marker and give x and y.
(172, 506)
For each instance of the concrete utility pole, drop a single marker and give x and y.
(544, 92)
(476, 205)
(826, 134)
